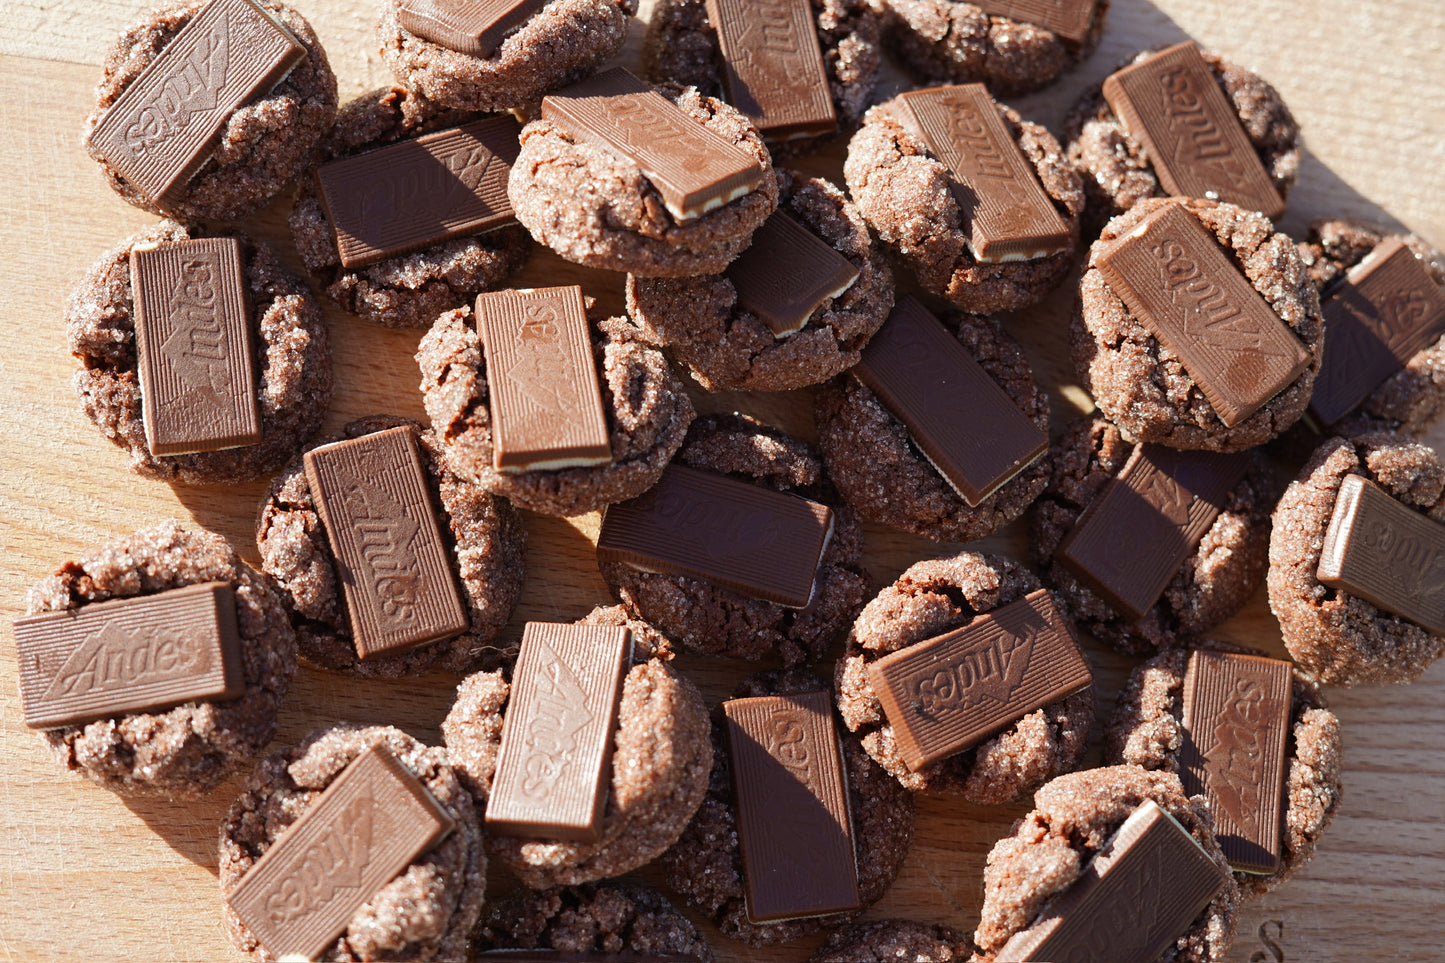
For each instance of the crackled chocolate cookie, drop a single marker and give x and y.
(401, 290)
(481, 536)
(706, 323)
(592, 918)
(894, 940)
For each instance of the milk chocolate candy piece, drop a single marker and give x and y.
(1189, 130)
(371, 493)
(127, 655)
(772, 67)
(1181, 285)
(1003, 208)
(161, 129)
(787, 272)
(1069, 19)
(692, 168)
(795, 827)
(553, 767)
(1387, 554)
(414, 193)
(758, 542)
(472, 27)
(1385, 311)
(1236, 723)
(952, 692)
(371, 823)
(959, 418)
(1129, 543)
(1136, 897)
(545, 402)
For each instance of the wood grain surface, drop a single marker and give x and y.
(85, 874)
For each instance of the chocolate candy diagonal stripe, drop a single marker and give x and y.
(772, 66)
(473, 27)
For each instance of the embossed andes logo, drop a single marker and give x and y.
(773, 66)
(1069, 19)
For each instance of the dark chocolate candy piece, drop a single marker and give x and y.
(1236, 724)
(553, 767)
(1187, 291)
(395, 573)
(472, 27)
(692, 168)
(1190, 131)
(795, 827)
(414, 193)
(371, 823)
(136, 654)
(953, 691)
(960, 419)
(1386, 553)
(753, 540)
(542, 380)
(772, 66)
(787, 272)
(1068, 19)
(161, 129)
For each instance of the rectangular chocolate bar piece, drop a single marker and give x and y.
(1130, 541)
(758, 542)
(1186, 290)
(414, 193)
(1379, 317)
(787, 272)
(1138, 894)
(1189, 130)
(692, 168)
(542, 380)
(1236, 724)
(472, 27)
(953, 691)
(960, 419)
(193, 345)
(554, 764)
(136, 654)
(1068, 19)
(162, 127)
(795, 827)
(1002, 205)
(772, 66)
(370, 824)
(396, 576)
(1386, 553)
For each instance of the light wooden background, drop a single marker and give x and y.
(85, 874)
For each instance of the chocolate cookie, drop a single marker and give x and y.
(659, 763)
(187, 750)
(894, 940)
(263, 145)
(591, 918)
(1336, 637)
(646, 407)
(484, 541)
(705, 866)
(290, 350)
(427, 911)
(706, 617)
(405, 290)
(727, 347)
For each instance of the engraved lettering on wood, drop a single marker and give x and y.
(772, 65)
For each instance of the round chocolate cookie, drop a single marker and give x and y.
(930, 598)
(291, 358)
(727, 347)
(882, 473)
(1143, 387)
(427, 911)
(263, 144)
(905, 195)
(659, 765)
(187, 750)
(1336, 637)
(894, 940)
(563, 41)
(705, 866)
(593, 206)
(405, 290)
(483, 537)
(1073, 817)
(706, 617)
(1147, 731)
(1213, 582)
(646, 408)
(620, 918)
